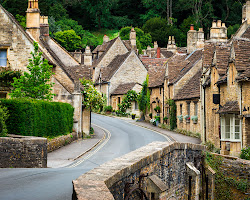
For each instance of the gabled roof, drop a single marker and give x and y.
(242, 54)
(186, 65)
(167, 54)
(246, 34)
(109, 71)
(222, 58)
(127, 44)
(191, 89)
(148, 62)
(103, 48)
(156, 76)
(123, 88)
(175, 64)
(208, 54)
(245, 76)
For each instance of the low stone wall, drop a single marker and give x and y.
(63, 140)
(23, 152)
(164, 161)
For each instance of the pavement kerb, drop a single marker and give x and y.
(91, 148)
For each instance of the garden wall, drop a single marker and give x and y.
(23, 152)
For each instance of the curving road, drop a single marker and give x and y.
(56, 184)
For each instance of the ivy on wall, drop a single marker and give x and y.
(127, 100)
(172, 114)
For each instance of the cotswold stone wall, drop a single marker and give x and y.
(23, 152)
(167, 161)
(61, 141)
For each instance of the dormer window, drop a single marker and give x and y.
(3, 57)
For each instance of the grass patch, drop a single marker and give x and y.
(113, 33)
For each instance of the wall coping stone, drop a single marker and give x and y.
(106, 175)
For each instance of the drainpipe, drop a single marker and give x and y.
(163, 103)
(241, 141)
(108, 92)
(204, 113)
(80, 115)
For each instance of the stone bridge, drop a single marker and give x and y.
(160, 170)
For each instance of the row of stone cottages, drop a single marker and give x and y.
(115, 67)
(198, 78)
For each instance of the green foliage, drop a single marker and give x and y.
(150, 115)
(87, 38)
(142, 39)
(144, 98)
(188, 133)
(40, 118)
(127, 100)
(113, 33)
(172, 113)
(3, 117)
(224, 185)
(91, 97)
(91, 132)
(34, 84)
(69, 40)
(108, 109)
(157, 109)
(165, 119)
(194, 118)
(232, 29)
(22, 20)
(157, 118)
(245, 153)
(7, 76)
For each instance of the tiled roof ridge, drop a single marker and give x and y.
(63, 48)
(60, 63)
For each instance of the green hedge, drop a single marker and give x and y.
(38, 118)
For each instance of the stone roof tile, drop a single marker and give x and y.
(191, 89)
(156, 75)
(123, 88)
(208, 54)
(230, 107)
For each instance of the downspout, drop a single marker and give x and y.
(108, 92)
(241, 141)
(219, 118)
(163, 109)
(81, 99)
(204, 113)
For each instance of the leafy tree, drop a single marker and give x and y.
(159, 29)
(22, 20)
(91, 97)
(232, 29)
(86, 37)
(69, 40)
(35, 84)
(7, 75)
(3, 117)
(142, 39)
(144, 99)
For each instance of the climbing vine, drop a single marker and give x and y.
(172, 114)
(127, 100)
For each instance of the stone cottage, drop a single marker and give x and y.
(16, 45)
(225, 88)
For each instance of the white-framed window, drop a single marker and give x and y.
(3, 57)
(230, 128)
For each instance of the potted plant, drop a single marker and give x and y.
(150, 115)
(133, 116)
(187, 118)
(165, 119)
(157, 109)
(194, 119)
(180, 117)
(157, 120)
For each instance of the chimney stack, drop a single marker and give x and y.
(171, 44)
(33, 19)
(158, 52)
(148, 51)
(155, 45)
(87, 56)
(105, 39)
(246, 12)
(44, 26)
(133, 38)
(78, 56)
(218, 32)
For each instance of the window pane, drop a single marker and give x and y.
(227, 135)
(237, 136)
(3, 57)
(237, 122)
(237, 129)
(195, 109)
(227, 121)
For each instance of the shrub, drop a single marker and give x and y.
(245, 153)
(108, 108)
(157, 118)
(3, 118)
(38, 118)
(157, 109)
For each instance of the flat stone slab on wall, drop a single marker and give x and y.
(23, 152)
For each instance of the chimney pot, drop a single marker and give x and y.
(191, 27)
(219, 23)
(158, 52)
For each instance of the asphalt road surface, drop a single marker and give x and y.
(56, 183)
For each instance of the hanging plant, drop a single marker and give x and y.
(157, 109)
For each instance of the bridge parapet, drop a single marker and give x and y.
(160, 170)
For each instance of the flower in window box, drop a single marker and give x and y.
(187, 117)
(194, 119)
(180, 117)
